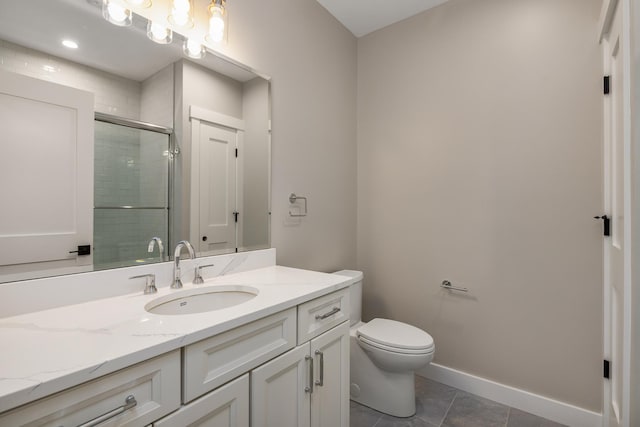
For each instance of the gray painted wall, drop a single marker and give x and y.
(479, 162)
(311, 58)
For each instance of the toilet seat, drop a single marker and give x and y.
(395, 336)
(395, 350)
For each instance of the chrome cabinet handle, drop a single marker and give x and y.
(329, 314)
(320, 382)
(129, 403)
(309, 387)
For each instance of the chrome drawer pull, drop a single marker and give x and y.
(320, 382)
(309, 387)
(129, 403)
(329, 314)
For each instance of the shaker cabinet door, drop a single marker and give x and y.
(280, 390)
(47, 208)
(330, 398)
(227, 406)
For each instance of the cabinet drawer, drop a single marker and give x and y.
(155, 385)
(214, 361)
(226, 406)
(321, 314)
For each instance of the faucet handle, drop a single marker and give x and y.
(150, 287)
(198, 280)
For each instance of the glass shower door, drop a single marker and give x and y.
(131, 193)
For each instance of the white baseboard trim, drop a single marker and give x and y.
(554, 410)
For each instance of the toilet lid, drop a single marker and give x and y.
(395, 334)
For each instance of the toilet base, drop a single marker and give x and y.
(392, 393)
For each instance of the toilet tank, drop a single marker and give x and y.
(355, 294)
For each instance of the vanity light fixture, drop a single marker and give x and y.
(194, 49)
(116, 13)
(181, 17)
(181, 13)
(159, 33)
(218, 13)
(70, 44)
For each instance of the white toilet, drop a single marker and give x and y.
(384, 356)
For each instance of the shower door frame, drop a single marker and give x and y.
(173, 152)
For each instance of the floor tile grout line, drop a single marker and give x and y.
(444, 417)
(506, 423)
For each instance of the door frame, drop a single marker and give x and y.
(606, 19)
(634, 300)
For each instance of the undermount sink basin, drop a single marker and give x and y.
(201, 300)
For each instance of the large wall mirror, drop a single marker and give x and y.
(120, 142)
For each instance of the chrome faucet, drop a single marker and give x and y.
(152, 244)
(177, 283)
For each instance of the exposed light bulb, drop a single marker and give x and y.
(193, 49)
(116, 13)
(216, 22)
(181, 13)
(181, 5)
(159, 33)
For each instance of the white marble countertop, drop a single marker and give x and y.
(48, 351)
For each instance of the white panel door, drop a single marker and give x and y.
(330, 398)
(217, 165)
(280, 390)
(616, 170)
(47, 206)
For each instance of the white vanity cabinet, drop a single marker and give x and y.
(305, 388)
(309, 385)
(287, 369)
(154, 385)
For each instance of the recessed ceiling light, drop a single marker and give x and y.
(70, 44)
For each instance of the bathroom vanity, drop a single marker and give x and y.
(280, 358)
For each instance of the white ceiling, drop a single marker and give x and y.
(362, 17)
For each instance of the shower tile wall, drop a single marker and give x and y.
(113, 94)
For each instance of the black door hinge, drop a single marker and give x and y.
(235, 215)
(82, 250)
(606, 368)
(606, 85)
(606, 223)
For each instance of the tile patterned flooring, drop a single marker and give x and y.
(438, 405)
